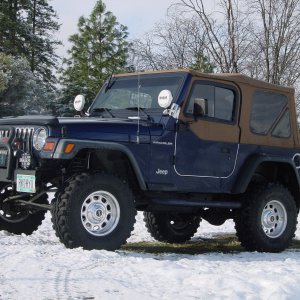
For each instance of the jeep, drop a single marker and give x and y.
(179, 145)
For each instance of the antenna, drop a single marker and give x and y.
(138, 90)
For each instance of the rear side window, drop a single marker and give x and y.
(266, 108)
(283, 127)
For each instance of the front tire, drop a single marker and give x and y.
(171, 228)
(94, 212)
(268, 218)
(17, 219)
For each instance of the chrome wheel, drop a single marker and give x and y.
(100, 213)
(274, 219)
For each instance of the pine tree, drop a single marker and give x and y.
(20, 91)
(98, 49)
(13, 27)
(26, 30)
(42, 21)
(202, 63)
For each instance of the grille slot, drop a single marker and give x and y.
(4, 133)
(3, 158)
(23, 136)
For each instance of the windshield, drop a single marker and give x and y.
(124, 92)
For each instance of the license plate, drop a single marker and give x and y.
(26, 183)
(3, 157)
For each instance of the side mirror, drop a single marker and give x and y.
(200, 107)
(174, 111)
(79, 102)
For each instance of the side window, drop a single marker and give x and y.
(283, 127)
(220, 101)
(224, 104)
(266, 108)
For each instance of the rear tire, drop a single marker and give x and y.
(94, 212)
(268, 218)
(171, 228)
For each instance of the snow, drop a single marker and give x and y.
(40, 267)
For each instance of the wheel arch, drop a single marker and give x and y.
(99, 154)
(271, 169)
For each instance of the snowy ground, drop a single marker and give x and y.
(39, 267)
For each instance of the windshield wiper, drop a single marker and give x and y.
(101, 110)
(136, 108)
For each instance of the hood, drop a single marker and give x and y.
(107, 129)
(111, 129)
(30, 120)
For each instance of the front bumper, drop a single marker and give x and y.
(6, 173)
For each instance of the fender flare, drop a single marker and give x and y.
(83, 144)
(252, 163)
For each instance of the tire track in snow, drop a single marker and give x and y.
(64, 286)
(61, 284)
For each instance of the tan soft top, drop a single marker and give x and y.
(233, 77)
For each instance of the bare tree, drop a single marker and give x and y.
(227, 33)
(277, 39)
(143, 55)
(261, 38)
(178, 42)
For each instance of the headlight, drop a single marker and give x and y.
(39, 139)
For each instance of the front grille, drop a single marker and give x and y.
(4, 133)
(23, 138)
(3, 158)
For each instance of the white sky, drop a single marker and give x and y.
(138, 15)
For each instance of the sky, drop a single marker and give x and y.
(138, 15)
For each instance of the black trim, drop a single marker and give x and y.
(82, 144)
(249, 168)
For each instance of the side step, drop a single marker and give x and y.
(198, 204)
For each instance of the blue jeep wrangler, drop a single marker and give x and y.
(181, 146)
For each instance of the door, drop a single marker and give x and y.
(207, 145)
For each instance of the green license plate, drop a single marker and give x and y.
(26, 183)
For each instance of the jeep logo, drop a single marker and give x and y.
(162, 172)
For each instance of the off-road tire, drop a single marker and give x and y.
(258, 210)
(68, 212)
(171, 228)
(29, 220)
